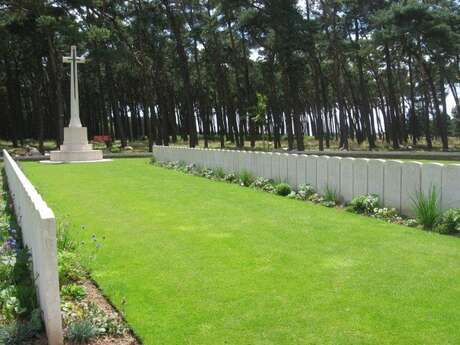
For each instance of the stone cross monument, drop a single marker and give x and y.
(75, 147)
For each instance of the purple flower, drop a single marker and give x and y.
(9, 244)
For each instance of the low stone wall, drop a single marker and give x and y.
(38, 227)
(395, 182)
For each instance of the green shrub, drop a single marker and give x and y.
(364, 204)
(411, 223)
(64, 241)
(24, 282)
(269, 188)
(231, 178)
(219, 173)
(10, 306)
(283, 189)
(6, 271)
(330, 195)
(246, 178)
(81, 332)
(198, 171)
(189, 168)
(292, 195)
(449, 222)
(315, 198)
(21, 332)
(153, 160)
(70, 270)
(261, 183)
(207, 173)
(329, 198)
(426, 208)
(305, 192)
(104, 324)
(73, 292)
(387, 214)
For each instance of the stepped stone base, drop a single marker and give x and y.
(76, 156)
(76, 147)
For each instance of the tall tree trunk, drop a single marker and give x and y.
(393, 103)
(14, 101)
(56, 85)
(185, 72)
(119, 126)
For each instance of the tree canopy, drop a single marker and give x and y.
(235, 70)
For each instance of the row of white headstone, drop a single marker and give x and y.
(395, 182)
(38, 226)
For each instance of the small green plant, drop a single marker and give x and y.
(80, 332)
(246, 178)
(190, 168)
(103, 323)
(329, 198)
(449, 222)
(364, 204)
(153, 160)
(292, 195)
(70, 270)
(231, 178)
(64, 241)
(261, 183)
(283, 189)
(386, 214)
(24, 282)
(411, 223)
(73, 292)
(426, 208)
(207, 173)
(21, 332)
(269, 188)
(315, 198)
(219, 173)
(305, 192)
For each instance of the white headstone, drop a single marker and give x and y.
(346, 179)
(236, 162)
(411, 186)
(267, 165)
(252, 167)
(451, 186)
(276, 166)
(284, 167)
(392, 184)
(301, 170)
(375, 185)
(333, 174)
(311, 170)
(432, 179)
(360, 176)
(292, 170)
(321, 171)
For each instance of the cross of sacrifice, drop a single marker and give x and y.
(74, 60)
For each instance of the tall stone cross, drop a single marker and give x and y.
(74, 60)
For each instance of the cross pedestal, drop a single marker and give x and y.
(76, 147)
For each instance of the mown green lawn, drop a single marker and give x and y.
(202, 262)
